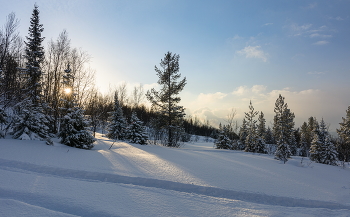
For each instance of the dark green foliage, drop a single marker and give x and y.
(34, 54)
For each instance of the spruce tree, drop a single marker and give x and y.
(73, 131)
(166, 100)
(117, 123)
(136, 131)
(30, 122)
(283, 128)
(243, 133)
(252, 138)
(34, 54)
(269, 136)
(261, 125)
(322, 149)
(303, 145)
(344, 135)
(223, 141)
(331, 154)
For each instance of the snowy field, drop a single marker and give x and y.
(135, 180)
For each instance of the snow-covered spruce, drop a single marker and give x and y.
(223, 141)
(30, 123)
(74, 131)
(283, 129)
(344, 135)
(136, 132)
(117, 123)
(253, 142)
(322, 149)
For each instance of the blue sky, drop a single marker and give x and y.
(231, 52)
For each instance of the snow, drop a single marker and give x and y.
(136, 180)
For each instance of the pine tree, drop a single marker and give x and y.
(166, 100)
(73, 127)
(223, 141)
(30, 122)
(344, 135)
(117, 122)
(136, 131)
(283, 128)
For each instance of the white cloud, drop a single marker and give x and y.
(311, 6)
(236, 37)
(268, 24)
(240, 90)
(317, 35)
(253, 52)
(316, 73)
(321, 43)
(336, 18)
(258, 88)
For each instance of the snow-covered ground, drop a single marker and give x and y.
(135, 180)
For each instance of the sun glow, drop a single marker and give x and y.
(67, 91)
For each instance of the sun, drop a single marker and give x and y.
(67, 90)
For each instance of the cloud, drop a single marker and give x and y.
(268, 24)
(317, 35)
(321, 43)
(315, 73)
(253, 52)
(311, 6)
(240, 90)
(336, 18)
(258, 88)
(304, 103)
(236, 37)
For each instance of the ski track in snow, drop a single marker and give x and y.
(16, 166)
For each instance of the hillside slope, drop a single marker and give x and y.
(135, 180)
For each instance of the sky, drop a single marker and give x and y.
(231, 52)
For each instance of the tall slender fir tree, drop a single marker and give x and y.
(283, 129)
(30, 122)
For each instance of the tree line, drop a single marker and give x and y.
(311, 140)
